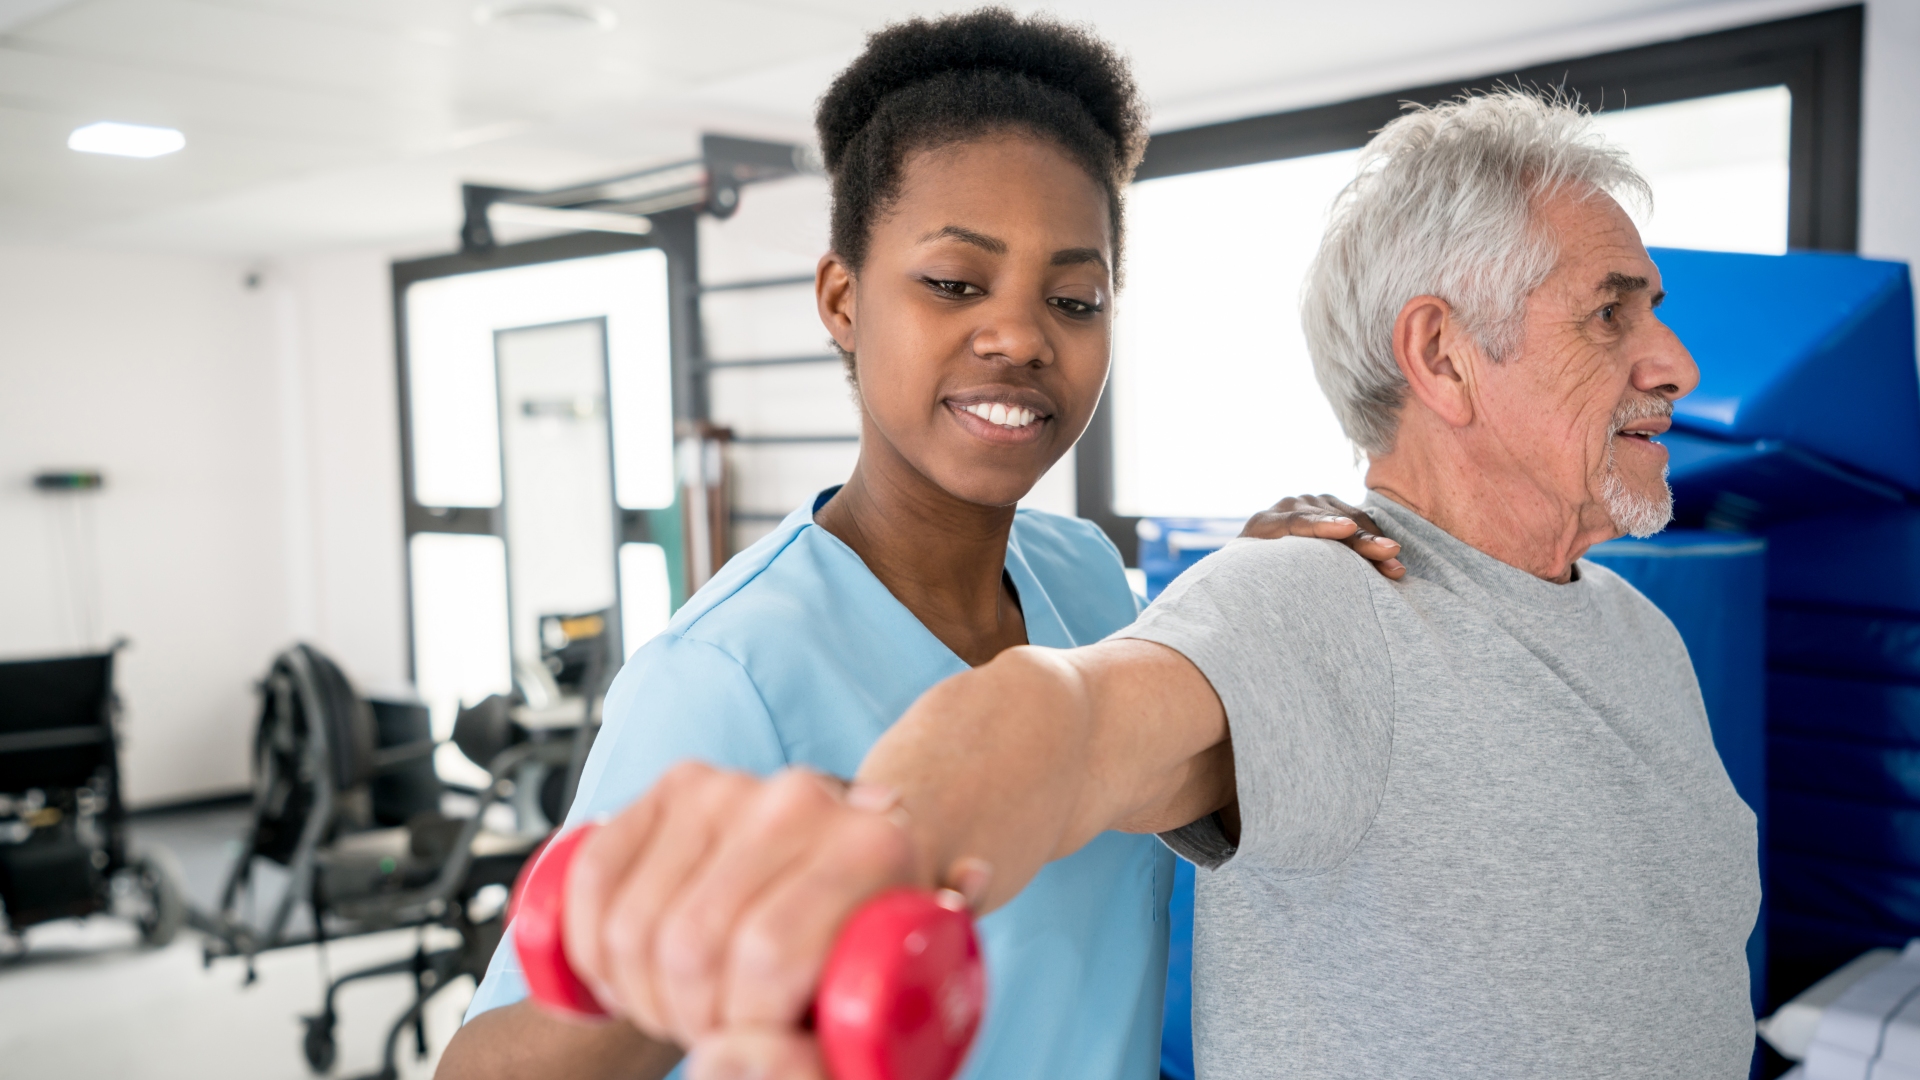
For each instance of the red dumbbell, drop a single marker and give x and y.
(900, 998)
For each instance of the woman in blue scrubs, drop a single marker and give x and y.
(977, 166)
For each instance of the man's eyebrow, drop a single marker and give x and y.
(967, 236)
(1078, 256)
(1621, 284)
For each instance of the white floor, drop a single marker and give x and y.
(86, 1002)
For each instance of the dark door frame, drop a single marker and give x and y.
(671, 235)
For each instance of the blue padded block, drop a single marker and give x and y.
(1853, 893)
(1176, 1028)
(1169, 545)
(1744, 486)
(1869, 559)
(1811, 348)
(1849, 829)
(1713, 586)
(1849, 770)
(1814, 639)
(1836, 708)
(1827, 942)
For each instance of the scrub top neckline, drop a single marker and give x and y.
(1013, 571)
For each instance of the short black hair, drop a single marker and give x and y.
(927, 83)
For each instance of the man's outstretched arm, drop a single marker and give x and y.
(705, 911)
(1025, 760)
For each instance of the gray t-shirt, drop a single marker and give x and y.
(1484, 830)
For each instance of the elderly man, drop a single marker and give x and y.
(1469, 823)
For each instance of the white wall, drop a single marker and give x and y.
(1890, 132)
(150, 368)
(347, 568)
(248, 439)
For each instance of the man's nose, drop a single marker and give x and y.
(1013, 333)
(1666, 367)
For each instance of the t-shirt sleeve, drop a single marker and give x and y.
(1286, 632)
(678, 699)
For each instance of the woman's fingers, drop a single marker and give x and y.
(778, 1053)
(1328, 518)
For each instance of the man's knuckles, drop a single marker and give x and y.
(794, 796)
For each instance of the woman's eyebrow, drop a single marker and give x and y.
(1079, 256)
(967, 236)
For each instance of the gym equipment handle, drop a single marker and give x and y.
(900, 998)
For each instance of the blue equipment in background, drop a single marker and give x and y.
(1805, 430)
(1168, 546)
(1713, 586)
(1802, 442)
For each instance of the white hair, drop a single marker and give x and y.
(1444, 205)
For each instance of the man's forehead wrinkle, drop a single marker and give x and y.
(967, 236)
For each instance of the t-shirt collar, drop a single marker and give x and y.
(1431, 552)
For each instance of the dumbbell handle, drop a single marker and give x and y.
(900, 997)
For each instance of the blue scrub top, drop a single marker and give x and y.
(795, 654)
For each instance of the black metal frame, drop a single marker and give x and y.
(1817, 57)
(491, 521)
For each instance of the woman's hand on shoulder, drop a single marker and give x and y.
(1329, 519)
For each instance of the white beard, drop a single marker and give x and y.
(1636, 514)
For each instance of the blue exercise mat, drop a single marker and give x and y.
(1713, 586)
(1811, 348)
(1868, 559)
(1828, 706)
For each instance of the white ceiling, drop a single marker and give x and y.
(327, 123)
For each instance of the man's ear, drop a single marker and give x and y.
(1427, 345)
(833, 293)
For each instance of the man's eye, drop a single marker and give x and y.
(1073, 307)
(1607, 312)
(957, 288)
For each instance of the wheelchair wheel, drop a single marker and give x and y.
(162, 907)
(319, 1045)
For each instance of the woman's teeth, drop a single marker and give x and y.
(1007, 416)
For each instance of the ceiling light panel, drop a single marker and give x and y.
(541, 16)
(125, 140)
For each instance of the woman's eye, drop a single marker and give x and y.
(958, 289)
(1073, 307)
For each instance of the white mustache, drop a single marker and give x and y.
(1640, 408)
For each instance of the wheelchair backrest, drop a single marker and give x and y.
(56, 722)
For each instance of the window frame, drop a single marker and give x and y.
(1816, 56)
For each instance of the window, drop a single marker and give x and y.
(1748, 137)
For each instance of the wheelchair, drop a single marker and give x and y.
(63, 833)
(346, 799)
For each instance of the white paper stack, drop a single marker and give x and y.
(1871, 1029)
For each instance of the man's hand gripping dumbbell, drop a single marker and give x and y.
(666, 918)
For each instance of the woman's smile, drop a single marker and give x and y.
(1002, 416)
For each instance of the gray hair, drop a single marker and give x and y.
(1444, 206)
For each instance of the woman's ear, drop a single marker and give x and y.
(1430, 350)
(833, 293)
